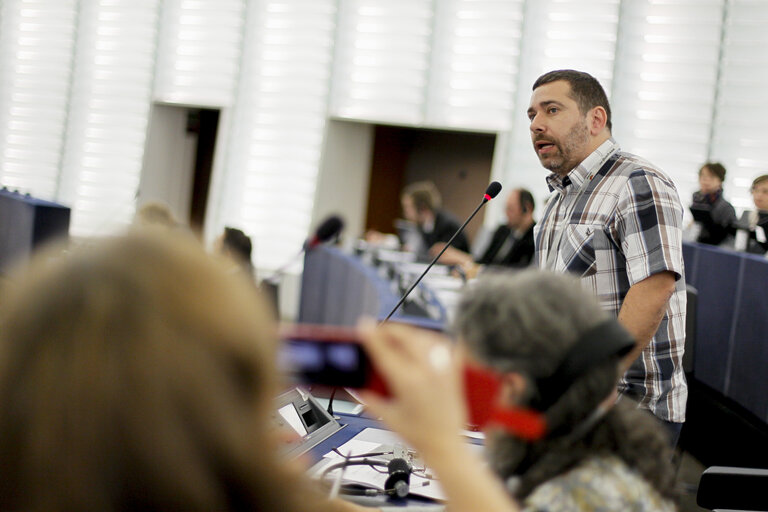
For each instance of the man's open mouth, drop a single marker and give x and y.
(543, 146)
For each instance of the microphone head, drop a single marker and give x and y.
(493, 190)
(327, 229)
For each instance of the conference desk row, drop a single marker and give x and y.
(730, 347)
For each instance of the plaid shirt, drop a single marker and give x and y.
(615, 220)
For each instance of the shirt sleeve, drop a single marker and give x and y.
(648, 226)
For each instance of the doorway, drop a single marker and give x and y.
(178, 159)
(459, 163)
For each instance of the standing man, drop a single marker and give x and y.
(615, 220)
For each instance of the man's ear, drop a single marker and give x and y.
(513, 388)
(597, 119)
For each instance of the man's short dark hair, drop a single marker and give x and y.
(526, 200)
(586, 91)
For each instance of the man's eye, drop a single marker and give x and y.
(552, 110)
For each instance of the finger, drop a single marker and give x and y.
(387, 358)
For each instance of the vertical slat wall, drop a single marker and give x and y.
(740, 131)
(382, 60)
(37, 40)
(474, 64)
(278, 124)
(108, 113)
(664, 84)
(198, 55)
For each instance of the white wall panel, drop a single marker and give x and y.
(199, 51)
(37, 39)
(277, 126)
(108, 113)
(664, 84)
(474, 64)
(382, 60)
(740, 132)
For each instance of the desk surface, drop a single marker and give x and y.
(353, 425)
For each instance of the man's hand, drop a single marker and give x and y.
(451, 256)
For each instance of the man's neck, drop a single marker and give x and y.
(595, 142)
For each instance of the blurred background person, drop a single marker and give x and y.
(139, 374)
(530, 328)
(714, 215)
(755, 222)
(235, 245)
(512, 243)
(421, 203)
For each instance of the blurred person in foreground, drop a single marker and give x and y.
(511, 245)
(139, 374)
(596, 454)
(716, 216)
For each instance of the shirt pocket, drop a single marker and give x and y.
(578, 249)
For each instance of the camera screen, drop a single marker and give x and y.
(326, 363)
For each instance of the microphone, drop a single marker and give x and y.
(492, 191)
(327, 230)
(399, 479)
(399, 469)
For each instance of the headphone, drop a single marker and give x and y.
(607, 339)
(397, 484)
(399, 479)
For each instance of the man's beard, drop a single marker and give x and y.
(576, 138)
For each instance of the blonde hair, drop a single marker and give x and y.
(138, 374)
(155, 214)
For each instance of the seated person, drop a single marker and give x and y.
(138, 375)
(596, 453)
(511, 244)
(715, 216)
(421, 206)
(237, 246)
(755, 222)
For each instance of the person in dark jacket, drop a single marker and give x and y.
(511, 244)
(421, 205)
(715, 216)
